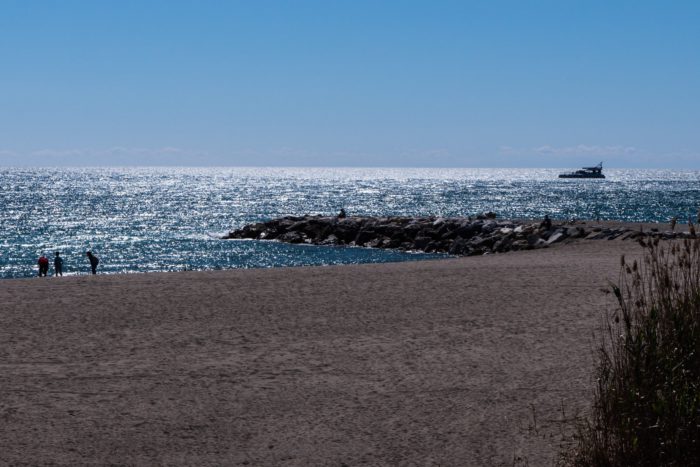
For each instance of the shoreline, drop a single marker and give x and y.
(613, 228)
(454, 361)
(610, 230)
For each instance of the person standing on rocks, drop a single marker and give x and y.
(94, 261)
(546, 223)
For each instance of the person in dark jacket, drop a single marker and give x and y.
(58, 265)
(94, 261)
(546, 223)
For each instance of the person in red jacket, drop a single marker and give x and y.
(43, 266)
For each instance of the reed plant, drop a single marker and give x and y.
(646, 409)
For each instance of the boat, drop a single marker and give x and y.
(586, 172)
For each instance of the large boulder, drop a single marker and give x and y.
(346, 232)
(449, 233)
(389, 229)
(412, 229)
(459, 246)
(365, 236)
(292, 237)
(488, 227)
(330, 240)
(393, 242)
(519, 245)
(419, 243)
(298, 226)
(468, 229)
(533, 239)
(556, 237)
(438, 246)
(575, 232)
(482, 243)
(503, 244)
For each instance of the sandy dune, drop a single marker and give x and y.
(455, 362)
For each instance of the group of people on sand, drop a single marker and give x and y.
(58, 264)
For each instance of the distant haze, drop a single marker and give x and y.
(542, 83)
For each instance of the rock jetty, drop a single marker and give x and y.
(456, 236)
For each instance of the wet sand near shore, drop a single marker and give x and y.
(469, 361)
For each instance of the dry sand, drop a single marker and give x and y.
(455, 362)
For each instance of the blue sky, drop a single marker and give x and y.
(350, 83)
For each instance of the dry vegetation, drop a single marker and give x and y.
(646, 410)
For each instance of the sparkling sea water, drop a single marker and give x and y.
(171, 219)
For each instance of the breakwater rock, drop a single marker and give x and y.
(456, 236)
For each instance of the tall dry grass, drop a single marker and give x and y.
(646, 409)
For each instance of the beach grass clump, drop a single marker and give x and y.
(646, 410)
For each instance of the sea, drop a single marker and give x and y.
(139, 220)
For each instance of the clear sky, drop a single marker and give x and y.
(559, 83)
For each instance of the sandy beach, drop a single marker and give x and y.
(469, 361)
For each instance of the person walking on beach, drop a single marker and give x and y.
(43, 266)
(58, 265)
(94, 261)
